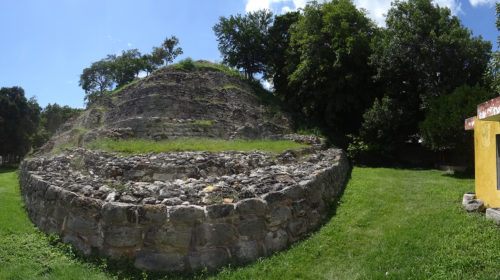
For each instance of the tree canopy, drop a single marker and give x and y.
(19, 118)
(242, 40)
(423, 54)
(115, 71)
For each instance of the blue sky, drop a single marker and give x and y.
(45, 45)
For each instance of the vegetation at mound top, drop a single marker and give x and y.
(142, 146)
(117, 71)
(389, 224)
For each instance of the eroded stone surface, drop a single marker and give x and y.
(472, 204)
(183, 210)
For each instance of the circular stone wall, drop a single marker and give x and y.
(183, 210)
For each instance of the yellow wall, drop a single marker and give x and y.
(486, 162)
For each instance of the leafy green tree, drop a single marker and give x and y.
(169, 50)
(127, 66)
(443, 127)
(242, 40)
(424, 53)
(332, 86)
(51, 119)
(162, 55)
(380, 130)
(97, 79)
(493, 73)
(281, 59)
(19, 118)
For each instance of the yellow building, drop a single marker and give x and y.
(486, 126)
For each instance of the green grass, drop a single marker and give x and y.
(140, 146)
(188, 64)
(202, 122)
(122, 87)
(25, 252)
(390, 224)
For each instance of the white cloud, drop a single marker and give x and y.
(454, 5)
(299, 4)
(476, 3)
(129, 45)
(377, 9)
(254, 5)
(267, 84)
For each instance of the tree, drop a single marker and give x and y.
(331, 86)
(281, 59)
(242, 40)
(493, 72)
(423, 54)
(169, 50)
(162, 55)
(443, 127)
(127, 67)
(51, 119)
(97, 79)
(19, 118)
(116, 71)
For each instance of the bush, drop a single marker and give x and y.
(187, 64)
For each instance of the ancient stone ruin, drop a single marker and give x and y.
(177, 211)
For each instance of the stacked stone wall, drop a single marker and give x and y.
(183, 237)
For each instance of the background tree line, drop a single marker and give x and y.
(380, 92)
(24, 125)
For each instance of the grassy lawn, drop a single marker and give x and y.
(390, 224)
(140, 146)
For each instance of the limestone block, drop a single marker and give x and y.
(300, 207)
(297, 227)
(276, 241)
(82, 225)
(220, 210)
(118, 213)
(467, 198)
(178, 236)
(153, 214)
(251, 206)
(122, 236)
(475, 205)
(253, 229)
(209, 258)
(51, 193)
(493, 214)
(86, 206)
(186, 214)
(78, 243)
(213, 235)
(294, 192)
(274, 198)
(279, 215)
(159, 261)
(246, 251)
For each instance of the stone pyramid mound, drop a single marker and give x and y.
(207, 101)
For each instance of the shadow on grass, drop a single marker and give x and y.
(460, 174)
(8, 168)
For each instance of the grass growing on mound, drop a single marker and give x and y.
(140, 146)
